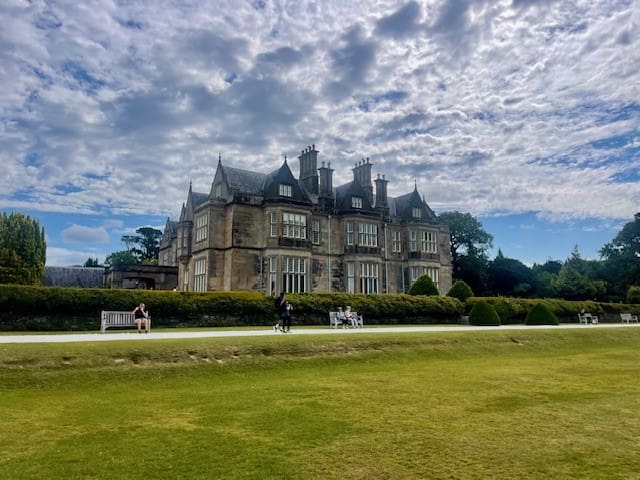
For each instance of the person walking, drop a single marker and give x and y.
(286, 317)
(280, 303)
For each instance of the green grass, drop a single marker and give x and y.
(548, 404)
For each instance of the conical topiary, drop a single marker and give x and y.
(540, 314)
(423, 286)
(460, 290)
(483, 314)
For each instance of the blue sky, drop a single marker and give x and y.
(524, 113)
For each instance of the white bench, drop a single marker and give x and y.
(335, 322)
(587, 318)
(628, 318)
(112, 318)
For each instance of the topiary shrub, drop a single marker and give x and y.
(633, 294)
(540, 314)
(423, 286)
(483, 314)
(460, 290)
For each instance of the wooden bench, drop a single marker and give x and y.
(628, 318)
(335, 322)
(112, 318)
(587, 318)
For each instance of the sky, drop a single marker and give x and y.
(524, 113)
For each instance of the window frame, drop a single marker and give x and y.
(285, 190)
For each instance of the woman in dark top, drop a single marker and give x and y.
(141, 315)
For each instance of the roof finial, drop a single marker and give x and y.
(219, 157)
(415, 184)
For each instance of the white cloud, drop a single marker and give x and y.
(491, 106)
(85, 235)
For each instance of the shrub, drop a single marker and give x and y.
(633, 294)
(423, 286)
(484, 314)
(460, 290)
(540, 314)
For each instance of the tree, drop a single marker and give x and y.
(91, 262)
(469, 244)
(123, 257)
(576, 279)
(22, 250)
(148, 241)
(142, 248)
(510, 277)
(621, 266)
(473, 270)
(467, 235)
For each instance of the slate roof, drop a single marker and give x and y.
(244, 181)
(343, 195)
(403, 205)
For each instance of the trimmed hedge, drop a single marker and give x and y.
(61, 308)
(460, 290)
(633, 294)
(540, 314)
(483, 314)
(423, 286)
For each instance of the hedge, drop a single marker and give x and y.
(62, 308)
(514, 310)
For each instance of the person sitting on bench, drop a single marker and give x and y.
(141, 315)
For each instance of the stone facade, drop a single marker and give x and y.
(274, 232)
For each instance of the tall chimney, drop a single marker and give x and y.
(309, 168)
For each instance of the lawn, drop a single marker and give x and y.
(544, 404)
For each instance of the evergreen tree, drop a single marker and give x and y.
(22, 250)
(575, 280)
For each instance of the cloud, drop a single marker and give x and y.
(491, 106)
(404, 22)
(350, 63)
(85, 235)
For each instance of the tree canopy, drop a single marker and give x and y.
(142, 248)
(22, 250)
(469, 243)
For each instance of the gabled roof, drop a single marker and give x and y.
(170, 231)
(403, 206)
(283, 175)
(194, 199)
(345, 192)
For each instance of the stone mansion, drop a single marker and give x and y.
(273, 232)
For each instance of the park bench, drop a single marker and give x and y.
(628, 318)
(335, 322)
(587, 318)
(110, 318)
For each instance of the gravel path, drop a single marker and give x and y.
(264, 331)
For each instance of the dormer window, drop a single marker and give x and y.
(416, 212)
(217, 191)
(356, 202)
(285, 190)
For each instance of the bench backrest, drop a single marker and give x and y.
(118, 318)
(625, 316)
